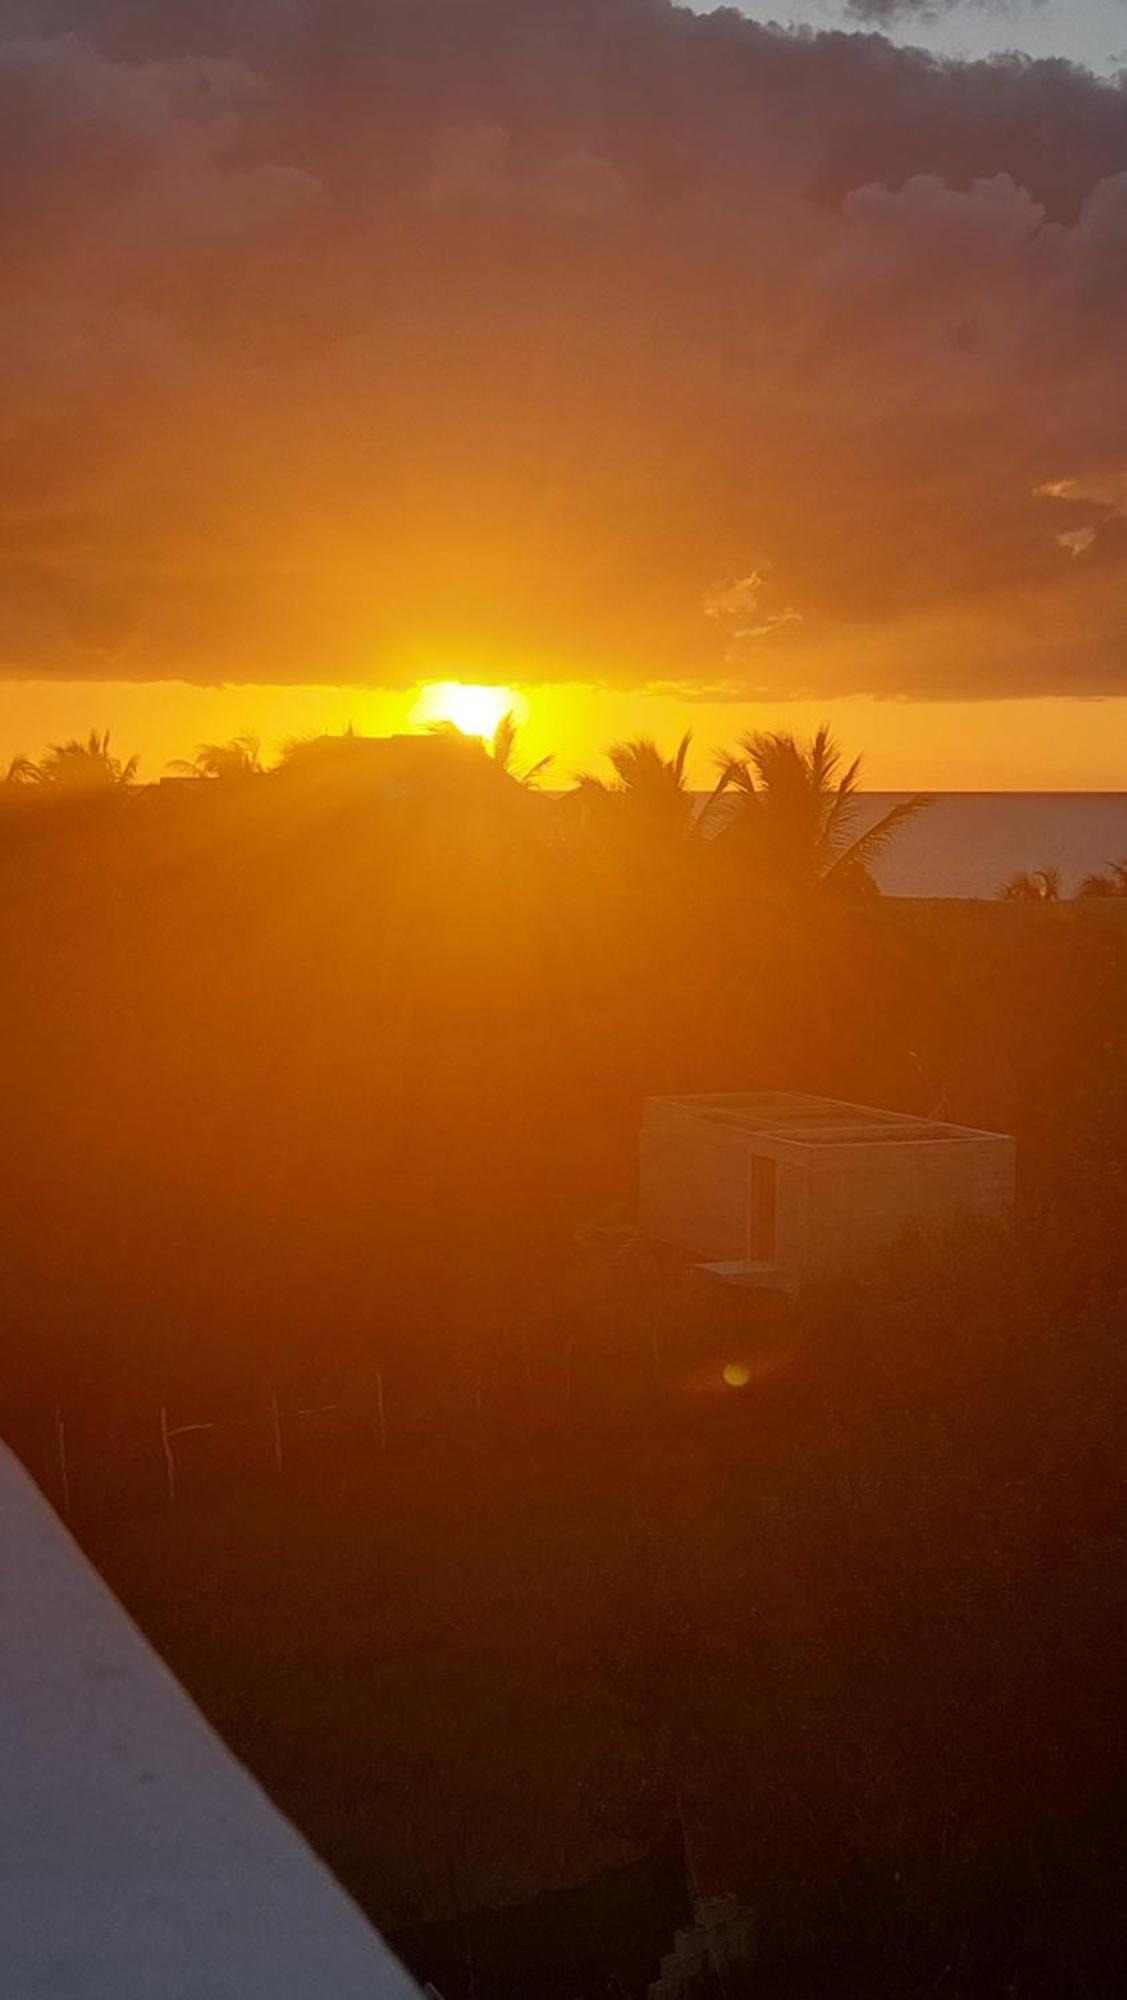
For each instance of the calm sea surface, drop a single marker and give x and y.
(971, 843)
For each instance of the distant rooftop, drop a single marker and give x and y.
(819, 1121)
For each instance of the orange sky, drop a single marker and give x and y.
(339, 349)
(1052, 744)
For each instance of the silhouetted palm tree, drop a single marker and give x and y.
(76, 766)
(1112, 881)
(503, 752)
(795, 813)
(1042, 886)
(240, 758)
(648, 793)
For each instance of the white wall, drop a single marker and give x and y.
(138, 1860)
(864, 1198)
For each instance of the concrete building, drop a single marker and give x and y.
(782, 1188)
(138, 1859)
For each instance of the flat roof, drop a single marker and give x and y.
(819, 1121)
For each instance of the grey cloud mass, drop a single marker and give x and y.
(894, 13)
(339, 336)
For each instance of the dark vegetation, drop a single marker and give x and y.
(1044, 885)
(322, 1090)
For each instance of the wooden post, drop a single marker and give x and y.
(169, 1460)
(276, 1425)
(61, 1454)
(381, 1412)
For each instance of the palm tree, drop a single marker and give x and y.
(76, 766)
(648, 792)
(796, 813)
(1042, 886)
(503, 752)
(240, 758)
(1111, 882)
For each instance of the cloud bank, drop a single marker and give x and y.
(894, 13)
(574, 338)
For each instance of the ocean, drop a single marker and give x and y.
(972, 843)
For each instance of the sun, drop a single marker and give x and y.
(475, 710)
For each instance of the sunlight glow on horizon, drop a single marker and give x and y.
(470, 707)
(1024, 745)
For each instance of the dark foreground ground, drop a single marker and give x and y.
(847, 1644)
(314, 1096)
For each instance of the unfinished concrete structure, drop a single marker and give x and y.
(784, 1188)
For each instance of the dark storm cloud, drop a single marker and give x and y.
(586, 334)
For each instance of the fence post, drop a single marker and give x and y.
(276, 1422)
(169, 1460)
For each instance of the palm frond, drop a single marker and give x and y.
(870, 845)
(504, 741)
(733, 771)
(536, 771)
(705, 823)
(22, 771)
(1110, 881)
(1042, 886)
(503, 752)
(824, 759)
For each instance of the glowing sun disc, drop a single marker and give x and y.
(473, 709)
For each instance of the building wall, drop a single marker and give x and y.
(693, 1187)
(835, 1203)
(865, 1198)
(693, 1183)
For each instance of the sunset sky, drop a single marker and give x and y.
(677, 370)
